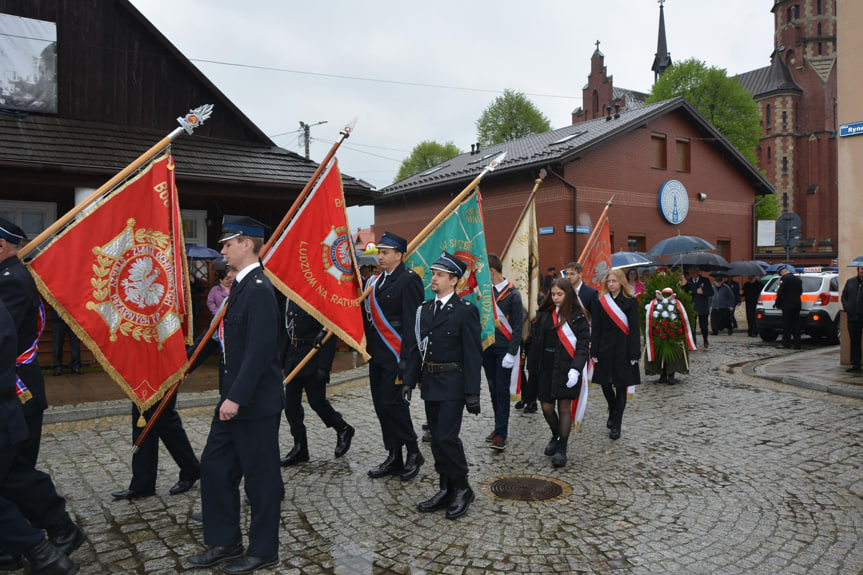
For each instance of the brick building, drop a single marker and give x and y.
(796, 95)
(631, 157)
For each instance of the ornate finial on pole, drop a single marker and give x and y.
(195, 118)
(346, 131)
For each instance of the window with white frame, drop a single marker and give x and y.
(32, 217)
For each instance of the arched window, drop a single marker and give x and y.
(595, 103)
(769, 122)
(818, 7)
(769, 155)
(820, 48)
(784, 119)
(819, 28)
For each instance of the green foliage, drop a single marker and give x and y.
(667, 350)
(425, 155)
(769, 209)
(722, 100)
(509, 117)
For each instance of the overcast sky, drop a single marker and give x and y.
(411, 71)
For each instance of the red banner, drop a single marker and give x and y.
(314, 263)
(117, 277)
(596, 257)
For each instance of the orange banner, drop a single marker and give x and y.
(314, 263)
(117, 276)
(596, 257)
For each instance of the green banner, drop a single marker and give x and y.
(461, 234)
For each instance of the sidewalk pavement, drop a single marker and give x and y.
(817, 369)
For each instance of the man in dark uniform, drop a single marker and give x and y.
(244, 434)
(17, 536)
(700, 289)
(852, 303)
(788, 299)
(445, 359)
(751, 291)
(390, 308)
(500, 358)
(587, 295)
(31, 490)
(303, 333)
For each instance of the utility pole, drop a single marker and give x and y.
(306, 128)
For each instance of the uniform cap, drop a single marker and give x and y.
(393, 242)
(450, 264)
(233, 226)
(10, 232)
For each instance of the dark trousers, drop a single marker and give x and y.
(316, 393)
(498, 386)
(791, 327)
(752, 318)
(528, 387)
(703, 324)
(615, 397)
(168, 428)
(59, 330)
(242, 449)
(393, 413)
(444, 419)
(721, 319)
(855, 330)
(16, 535)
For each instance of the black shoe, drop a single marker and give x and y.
(671, 380)
(182, 486)
(662, 379)
(551, 447)
(130, 494)
(392, 465)
(519, 404)
(462, 498)
(248, 564)
(426, 427)
(614, 433)
(10, 563)
(67, 539)
(197, 516)
(530, 407)
(343, 443)
(490, 437)
(413, 462)
(853, 368)
(216, 554)
(439, 500)
(299, 453)
(427, 436)
(45, 559)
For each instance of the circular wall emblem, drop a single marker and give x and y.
(673, 202)
(337, 248)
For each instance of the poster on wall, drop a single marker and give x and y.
(28, 64)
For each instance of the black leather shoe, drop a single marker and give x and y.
(45, 559)
(132, 494)
(298, 454)
(10, 563)
(412, 466)
(426, 427)
(439, 500)
(249, 563)
(216, 554)
(662, 379)
(343, 443)
(182, 486)
(68, 539)
(462, 498)
(427, 438)
(551, 447)
(392, 465)
(671, 380)
(519, 404)
(614, 433)
(530, 407)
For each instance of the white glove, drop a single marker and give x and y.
(508, 361)
(633, 362)
(573, 378)
(595, 359)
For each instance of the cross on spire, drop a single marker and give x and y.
(597, 44)
(661, 2)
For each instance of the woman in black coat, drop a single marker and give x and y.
(615, 345)
(558, 352)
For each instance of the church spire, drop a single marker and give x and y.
(662, 60)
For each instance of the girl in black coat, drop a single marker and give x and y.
(557, 362)
(615, 345)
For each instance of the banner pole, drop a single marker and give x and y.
(539, 180)
(595, 231)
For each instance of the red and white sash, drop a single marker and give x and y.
(615, 313)
(389, 335)
(684, 319)
(28, 356)
(504, 325)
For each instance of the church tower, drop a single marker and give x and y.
(662, 60)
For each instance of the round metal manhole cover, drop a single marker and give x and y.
(527, 488)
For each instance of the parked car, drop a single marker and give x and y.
(819, 313)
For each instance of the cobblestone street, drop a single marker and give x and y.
(721, 473)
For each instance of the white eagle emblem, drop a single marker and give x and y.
(140, 286)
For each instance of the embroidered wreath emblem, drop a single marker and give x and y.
(336, 254)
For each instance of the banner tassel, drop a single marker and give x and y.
(141, 421)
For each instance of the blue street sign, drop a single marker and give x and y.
(544, 231)
(852, 129)
(582, 229)
(568, 229)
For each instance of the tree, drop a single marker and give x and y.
(722, 100)
(769, 209)
(509, 117)
(425, 155)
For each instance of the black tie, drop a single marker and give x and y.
(437, 305)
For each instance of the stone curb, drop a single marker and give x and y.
(95, 410)
(758, 368)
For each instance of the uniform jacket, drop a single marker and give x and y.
(513, 309)
(398, 300)
(13, 428)
(18, 291)
(453, 337)
(852, 299)
(299, 340)
(562, 362)
(701, 301)
(588, 297)
(252, 375)
(789, 292)
(613, 348)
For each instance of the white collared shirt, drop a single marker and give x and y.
(502, 285)
(246, 271)
(444, 299)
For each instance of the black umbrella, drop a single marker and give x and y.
(679, 245)
(745, 268)
(704, 260)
